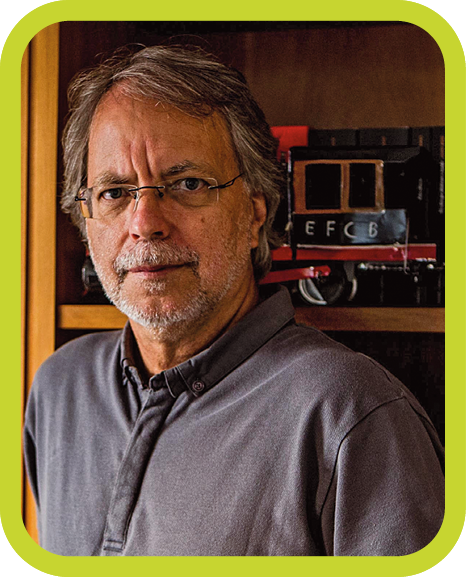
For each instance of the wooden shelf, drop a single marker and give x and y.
(406, 320)
(90, 317)
(416, 320)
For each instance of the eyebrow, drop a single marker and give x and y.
(185, 166)
(108, 179)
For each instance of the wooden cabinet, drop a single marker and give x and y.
(325, 75)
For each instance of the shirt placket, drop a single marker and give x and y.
(132, 469)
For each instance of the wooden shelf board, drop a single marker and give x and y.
(418, 320)
(409, 320)
(90, 317)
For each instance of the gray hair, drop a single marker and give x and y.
(197, 84)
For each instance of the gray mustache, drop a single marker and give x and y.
(155, 254)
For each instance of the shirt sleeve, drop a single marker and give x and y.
(387, 492)
(29, 448)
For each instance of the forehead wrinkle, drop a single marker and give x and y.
(141, 162)
(108, 178)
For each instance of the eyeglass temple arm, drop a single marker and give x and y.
(227, 184)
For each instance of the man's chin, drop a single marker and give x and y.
(155, 320)
(159, 312)
(164, 316)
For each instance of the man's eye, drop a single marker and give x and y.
(190, 184)
(113, 194)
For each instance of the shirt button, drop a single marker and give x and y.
(156, 383)
(198, 386)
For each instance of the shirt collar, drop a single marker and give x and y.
(203, 371)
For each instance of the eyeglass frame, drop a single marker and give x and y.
(85, 208)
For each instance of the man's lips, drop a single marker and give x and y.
(147, 269)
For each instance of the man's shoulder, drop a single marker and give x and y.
(331, 384)
(315, 365)
(305, 345)
(81, 355)
(94, 343)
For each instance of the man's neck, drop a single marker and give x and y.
(161, 350)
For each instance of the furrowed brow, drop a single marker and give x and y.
(109, 179)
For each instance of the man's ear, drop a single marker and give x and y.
(259, 216)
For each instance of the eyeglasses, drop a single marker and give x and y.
(104, 202)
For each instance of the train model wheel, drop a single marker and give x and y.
(340, 285)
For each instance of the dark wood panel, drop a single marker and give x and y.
(347, 78)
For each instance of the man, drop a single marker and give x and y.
(212, 424)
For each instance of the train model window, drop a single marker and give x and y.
(362, 185)
(323, 186)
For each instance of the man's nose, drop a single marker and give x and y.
(147, 217)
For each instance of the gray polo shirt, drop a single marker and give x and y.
(273, 441)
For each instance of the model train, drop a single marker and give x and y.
(363, 218)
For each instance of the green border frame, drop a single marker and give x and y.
(455, 98)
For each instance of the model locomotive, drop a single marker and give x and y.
(363, 219)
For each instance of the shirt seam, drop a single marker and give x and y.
(324, 502)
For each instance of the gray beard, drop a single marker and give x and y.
(162, 325)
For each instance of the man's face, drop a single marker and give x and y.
(167, 268)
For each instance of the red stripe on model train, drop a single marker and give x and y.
(391, 253)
